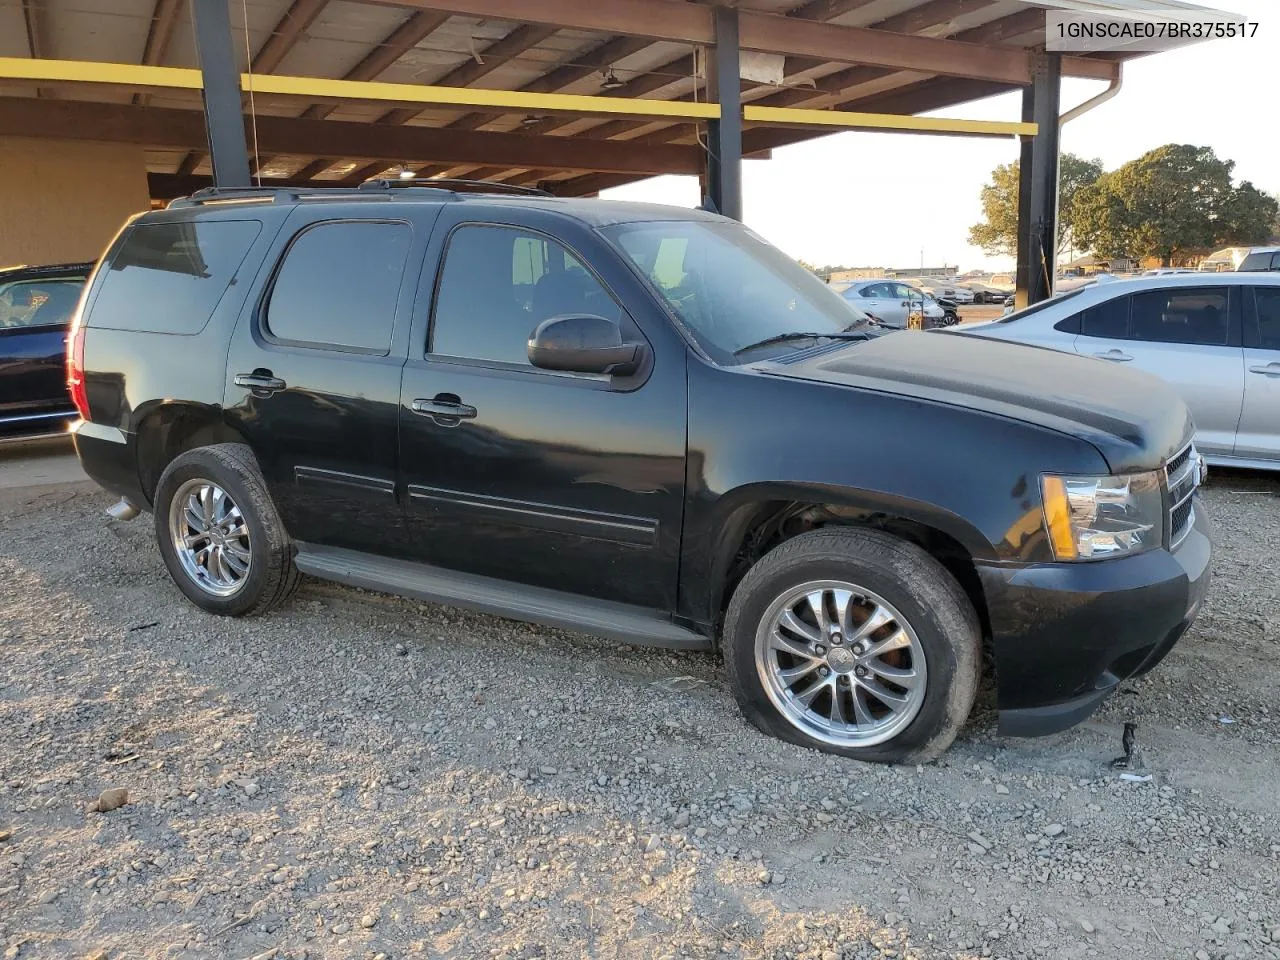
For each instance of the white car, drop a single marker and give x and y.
(892, 301)
(1214, 337)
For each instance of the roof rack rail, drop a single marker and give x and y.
(451, 183)
(215, 194)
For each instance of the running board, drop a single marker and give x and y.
(553, 608)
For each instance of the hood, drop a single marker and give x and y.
(1134, 419)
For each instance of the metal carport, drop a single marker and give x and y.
(572, 95)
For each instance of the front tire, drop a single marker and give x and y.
(854, 642)
(219, 533)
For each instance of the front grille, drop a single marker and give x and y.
(1182, 473)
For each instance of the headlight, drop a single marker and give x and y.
(1091, 518)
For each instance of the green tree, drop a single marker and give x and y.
(997, 234)
(1175, 201)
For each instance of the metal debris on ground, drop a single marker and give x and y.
(1127, 761)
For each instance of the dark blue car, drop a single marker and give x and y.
(36, 306)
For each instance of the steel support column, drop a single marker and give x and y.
(224, 120)
(724, 136)
(1038, 184)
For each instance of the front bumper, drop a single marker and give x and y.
(1067, 634)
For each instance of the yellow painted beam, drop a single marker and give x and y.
(136, 76)
(799, 117)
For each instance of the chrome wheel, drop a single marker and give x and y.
(210, 537)
(840, 663)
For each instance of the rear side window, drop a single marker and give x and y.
(1109, 320)
(1199, 316)
(338, 286)
(1267, 300)
(169, 277)
(38, 303)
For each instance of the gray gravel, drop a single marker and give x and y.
(358, 776)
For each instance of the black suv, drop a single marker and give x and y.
(644, 423)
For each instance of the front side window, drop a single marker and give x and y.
(169, 277)
(338, 286)
(499, 283)
(38, 303)
(1198, 316)
(729, 287)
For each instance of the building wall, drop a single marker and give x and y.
(62, 201)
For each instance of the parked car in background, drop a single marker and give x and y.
(944, 289)
(984, 292)
(1215, 338)
(642, 422)
(1261, 259)
(36, 306)
(1228, 259)
(892, 301)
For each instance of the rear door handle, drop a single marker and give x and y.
(262, 384)
(1117, 356)
(1267, 370)
(445, 409)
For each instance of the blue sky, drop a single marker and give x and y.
(881, 199)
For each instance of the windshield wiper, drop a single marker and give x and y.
(798, 335)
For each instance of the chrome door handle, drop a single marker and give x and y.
(1116, 356)
(1267, 370)
(262, 384)
(446, 410)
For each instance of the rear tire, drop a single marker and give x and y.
(220, 534)
(893, 641)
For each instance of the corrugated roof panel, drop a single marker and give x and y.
(115, 33)
(343, 35)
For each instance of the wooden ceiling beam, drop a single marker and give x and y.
(287, 33)
(400, 41)
(492, 57)
(184, 129)
(594, 61)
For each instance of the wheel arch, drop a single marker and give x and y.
(168, 430)
(756, 519)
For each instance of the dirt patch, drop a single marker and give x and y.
(362, 776)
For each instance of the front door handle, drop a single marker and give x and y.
(1267, 370)
(446, 409)
(1116, 356)
(260, 382)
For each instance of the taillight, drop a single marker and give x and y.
(75, 369)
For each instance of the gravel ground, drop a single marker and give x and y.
(358, 776)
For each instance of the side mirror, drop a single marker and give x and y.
(583, 344)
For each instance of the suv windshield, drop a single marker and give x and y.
(730, 288)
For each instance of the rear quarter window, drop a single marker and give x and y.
(170, 277)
